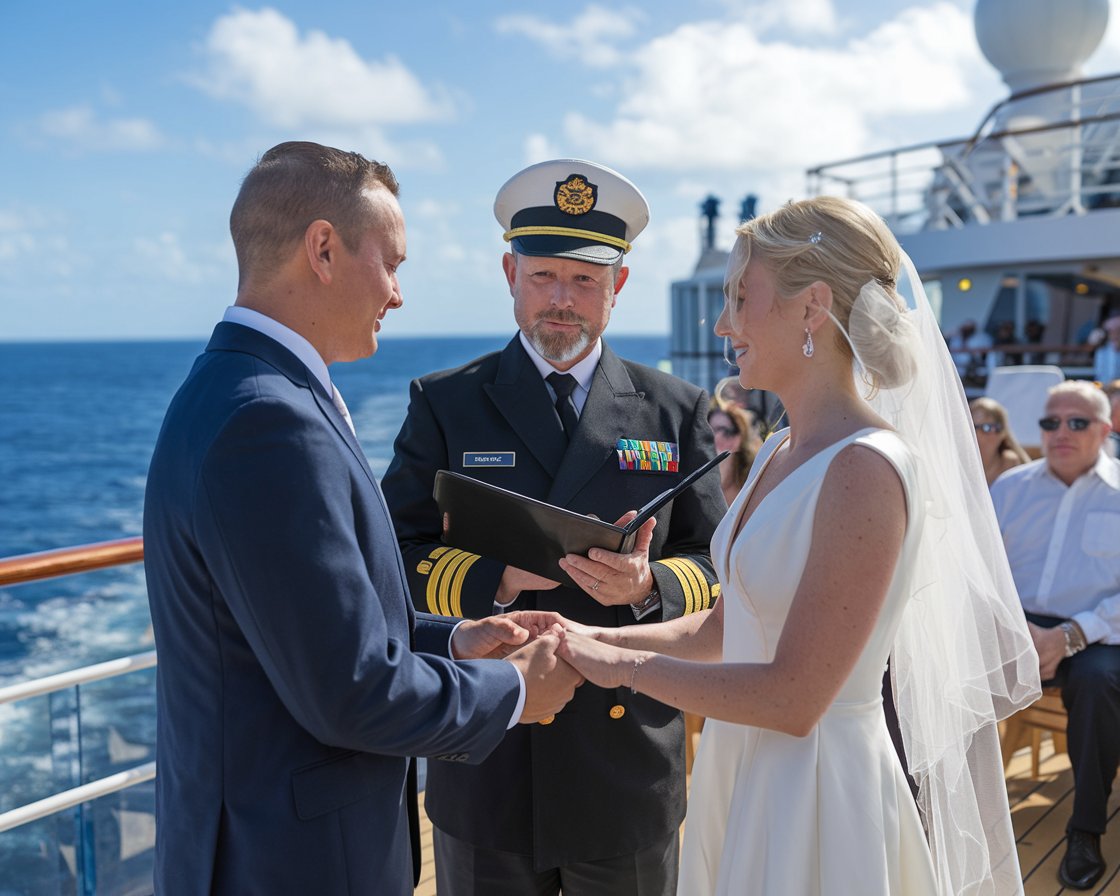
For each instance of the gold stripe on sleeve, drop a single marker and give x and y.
(703, 594)
(457, 584)
(683, 574)
(695, 574)
(437, 592)
(702, 585)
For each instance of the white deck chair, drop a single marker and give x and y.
(1022, 390)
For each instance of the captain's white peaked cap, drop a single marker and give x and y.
(571, 208)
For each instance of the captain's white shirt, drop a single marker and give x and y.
(1064, 543)
(584, 371)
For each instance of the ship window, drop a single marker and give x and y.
(933, 293)
(1005, 309)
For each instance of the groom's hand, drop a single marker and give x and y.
(496, 637)
(549, 681)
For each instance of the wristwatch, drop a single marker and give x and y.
(647, 604)
(1075, 638)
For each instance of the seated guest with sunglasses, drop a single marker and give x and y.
(1060, 521)
(999, 449)
(734, 431)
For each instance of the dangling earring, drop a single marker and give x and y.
(807, 348)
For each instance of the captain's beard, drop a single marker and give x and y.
(559, 348)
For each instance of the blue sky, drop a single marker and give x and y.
(125, 128)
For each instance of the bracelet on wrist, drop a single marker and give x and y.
(634, 672)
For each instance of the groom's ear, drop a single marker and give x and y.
(818, 303)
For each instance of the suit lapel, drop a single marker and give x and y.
(334, 416)
(234, 337)
(612, 405)
(520, 395)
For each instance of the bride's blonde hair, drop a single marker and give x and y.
(846, 245)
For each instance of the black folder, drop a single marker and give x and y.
(530, 534)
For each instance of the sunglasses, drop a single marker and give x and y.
(1075, 424)
(726, 431)
(989, 427)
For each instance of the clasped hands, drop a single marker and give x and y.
(554, 655)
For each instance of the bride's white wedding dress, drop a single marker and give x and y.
(830, 813)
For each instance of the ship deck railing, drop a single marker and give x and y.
(1050, 151)
(1040, 804)
(72, 839)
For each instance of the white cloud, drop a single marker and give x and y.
(10, 220)
(163, 258)
(805, 17)
(80, 127)
(591, 37)
(33, 234)
(538, 148)
(302, 81)
(714, 95)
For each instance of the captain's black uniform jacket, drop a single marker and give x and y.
(607, 776)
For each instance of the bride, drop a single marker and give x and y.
(865, 531)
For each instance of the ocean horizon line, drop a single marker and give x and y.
(394, 337)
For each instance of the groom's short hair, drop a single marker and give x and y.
(292, 185)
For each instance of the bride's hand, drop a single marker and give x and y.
(602, 664)
(588, 631)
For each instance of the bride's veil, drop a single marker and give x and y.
(963, 658)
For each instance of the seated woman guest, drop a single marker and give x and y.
(999, 449)
(735, 432)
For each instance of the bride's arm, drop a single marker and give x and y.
(697, 636)
(857, 536)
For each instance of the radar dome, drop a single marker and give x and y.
(1038, 42)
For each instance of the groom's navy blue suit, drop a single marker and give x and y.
(291, 682)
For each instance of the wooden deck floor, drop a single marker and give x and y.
(1039, 810)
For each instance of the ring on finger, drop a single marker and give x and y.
(598, 582)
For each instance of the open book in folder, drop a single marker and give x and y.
(530, 534)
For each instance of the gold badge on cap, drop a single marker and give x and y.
(575, 196)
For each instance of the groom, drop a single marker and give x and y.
(294, 677)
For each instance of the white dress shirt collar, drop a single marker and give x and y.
(287, 337)
(584, 371)
(1106, 469)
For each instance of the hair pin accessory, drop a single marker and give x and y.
(816, 237)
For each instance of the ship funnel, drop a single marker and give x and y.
(709, 210)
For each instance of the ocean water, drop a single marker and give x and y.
(77, 426)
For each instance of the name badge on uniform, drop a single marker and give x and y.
(648, 455)
(489, 458)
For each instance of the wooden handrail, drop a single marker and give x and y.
(65, 561)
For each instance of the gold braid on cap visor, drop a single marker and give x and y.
(567, 231)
